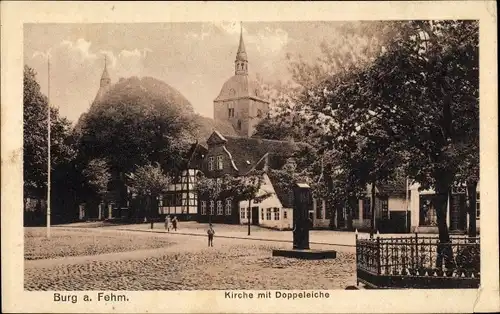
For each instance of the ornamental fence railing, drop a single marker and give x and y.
(418, 262)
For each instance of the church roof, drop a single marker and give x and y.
(239, 86)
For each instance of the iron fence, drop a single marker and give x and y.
(418, 262)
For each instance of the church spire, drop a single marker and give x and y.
(241, 62)
(105, 80)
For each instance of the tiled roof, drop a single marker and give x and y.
(249, 152)
(206, 126)
(284, 194)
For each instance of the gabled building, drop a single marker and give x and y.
(238, 156)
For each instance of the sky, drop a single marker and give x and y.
(194, 58)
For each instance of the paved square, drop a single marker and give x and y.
(162, 261)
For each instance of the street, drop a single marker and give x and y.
(127, 260)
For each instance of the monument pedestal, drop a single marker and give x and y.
(306, 254)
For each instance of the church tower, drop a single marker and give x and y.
(240, 100)
(105, 82)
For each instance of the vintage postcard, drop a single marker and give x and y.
(197, 157)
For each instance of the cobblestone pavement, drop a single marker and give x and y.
(186, 263)
(65, 243)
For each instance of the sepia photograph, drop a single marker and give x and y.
(230, 155)
(250, 160)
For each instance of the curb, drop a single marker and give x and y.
(233, 237)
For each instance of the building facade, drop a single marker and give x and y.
(423, 210)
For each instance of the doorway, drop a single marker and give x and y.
(255, 215)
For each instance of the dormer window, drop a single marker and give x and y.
(210, 163)
(220, 164)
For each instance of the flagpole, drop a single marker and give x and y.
(48, 147)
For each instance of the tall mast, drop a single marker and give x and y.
(48, 146)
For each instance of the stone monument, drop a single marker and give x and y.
(301, 225)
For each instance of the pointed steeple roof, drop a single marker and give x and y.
(241, 55)
(105, 74)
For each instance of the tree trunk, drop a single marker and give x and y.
(351, 206)
(372, 210)
(444, 249)
(471, 192)
(151, 208)
(249, 214)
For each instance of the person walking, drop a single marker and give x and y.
(167, 223)
(210, 233)
(174, 223)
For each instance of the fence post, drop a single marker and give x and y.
(378, 256)
(416, 251)
(356, 243)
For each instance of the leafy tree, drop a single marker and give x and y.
(246, 188)
(137, 122)
(97, 176)
(35, 136)
(150, 182)
(427, 84)
(415, 107)
(210, 188)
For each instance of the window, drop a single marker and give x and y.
(228, 207)
(259, 113)
(210, 163)
(203, 207)
(220, 164)
(212, 205)
(242, 213)
(427, 211)
(262, 214)
(284, 214)
(367, 208)
(219, 208)
(268, 214)
(239, 124)
(478, 208)
(276, 214)
(178, 199)
(230, 112)
(384, 204)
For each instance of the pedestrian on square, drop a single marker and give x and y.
(167, 223)
(210, 233)
(174, 223)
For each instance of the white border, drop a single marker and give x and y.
(14, 14)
